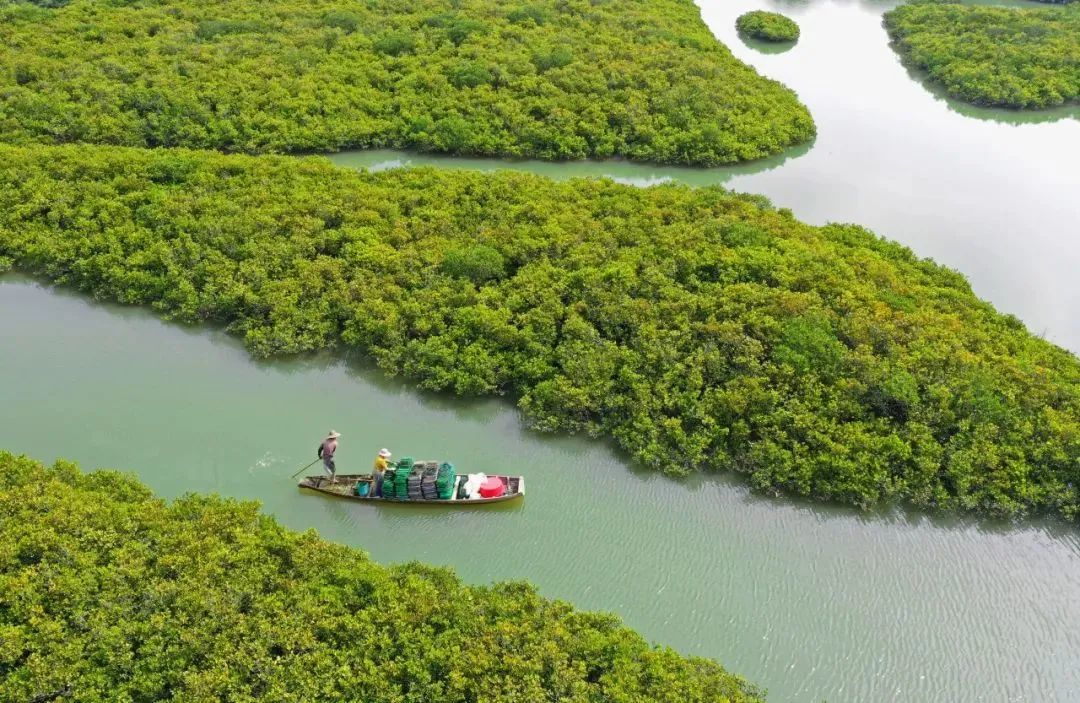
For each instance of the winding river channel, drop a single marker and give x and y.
(815, 603)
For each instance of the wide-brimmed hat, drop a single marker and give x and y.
(333, 434)
(384, 453)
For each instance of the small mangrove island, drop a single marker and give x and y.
(768, 26)
(701, 329)
(640, 79)
(994, 56)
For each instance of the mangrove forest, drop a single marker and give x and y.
(710, 351)
(555, 79)
(996, 56)
(701, 329)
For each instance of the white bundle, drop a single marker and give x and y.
(473, 483)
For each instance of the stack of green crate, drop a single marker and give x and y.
(401, 478)
(444, 484)
(388, 484)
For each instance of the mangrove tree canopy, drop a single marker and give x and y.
(559, 79)
(767, 26)
(999, 56)
(112, 595)
(699, 328)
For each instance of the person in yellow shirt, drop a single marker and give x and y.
(382, 463)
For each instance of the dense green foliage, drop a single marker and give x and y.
(644, 79)
(696, 327)
(767, 26)
(1011, 57)
(122, 597)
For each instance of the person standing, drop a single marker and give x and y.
(326, 453)
(382, 463)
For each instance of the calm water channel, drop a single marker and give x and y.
(814, 603)
(992, 193)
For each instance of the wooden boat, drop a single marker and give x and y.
(346, 488)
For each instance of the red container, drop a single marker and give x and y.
(492, 488)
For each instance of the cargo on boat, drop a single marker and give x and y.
(422, 483)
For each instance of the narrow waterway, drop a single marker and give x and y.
(814, 603)
(992, 193)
